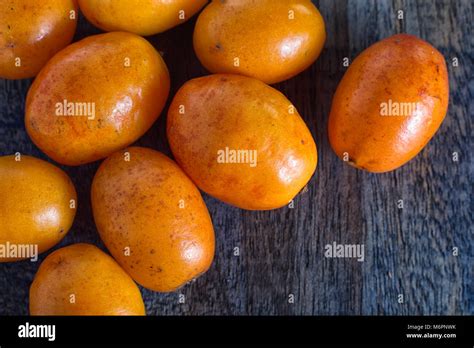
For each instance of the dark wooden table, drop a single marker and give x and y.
(408, 251)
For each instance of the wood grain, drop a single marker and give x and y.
(408, 251)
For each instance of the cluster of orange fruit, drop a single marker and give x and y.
(232, 135)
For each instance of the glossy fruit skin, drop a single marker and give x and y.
(35, 204)
(119, 74)
(99, 285)
(241, 113)
(151, 207)
(142, 17)
(401, 68)
(33, 31)
(273, 40)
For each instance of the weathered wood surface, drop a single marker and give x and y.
(408, 251)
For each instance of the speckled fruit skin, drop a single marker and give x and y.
(216, 112)
(120, 74)
(98, 284)
(272, 40)
(35, 199)
(33, 31)
(151, 207)
(401, 68)
(142, 17)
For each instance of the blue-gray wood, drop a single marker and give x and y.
(418, 260)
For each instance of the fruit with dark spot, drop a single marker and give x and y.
(80, 279)
(241, 141)
(37, 207)
(265, 39)
(31, 32)
(142, 17)
(158, 228)
(389, 104)
(95, 97)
